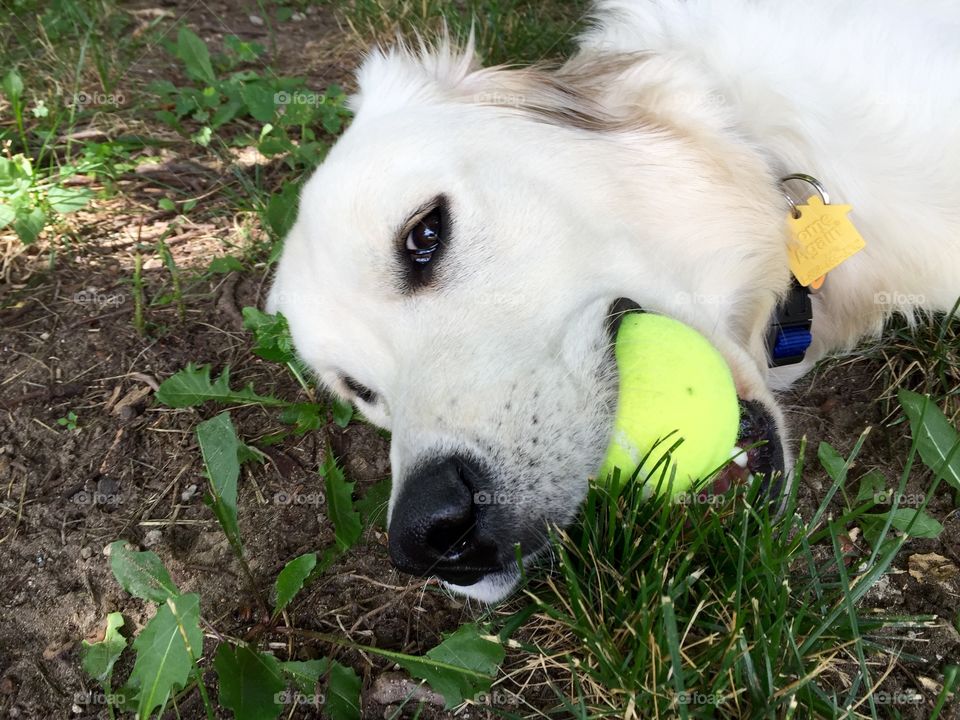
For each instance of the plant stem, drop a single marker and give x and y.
(138, 322)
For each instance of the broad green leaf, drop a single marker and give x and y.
(225, 264)
(227, 112)
(13, 86)
(281, 209)
(272, 335)
(99, 657)
(938, 442)
(7, 215)
(167, 648)
(924, 526)
(220, 448)
(250, 453)
(141, 574)
(342, 412)
(250, 682)
(346, 520)
(193, 386)
(871, 485)
(291, 578)
(304, 417)
(195, 55)
(305, 673)
(29, 223)
(831, 461)
(461, 666)
(343, 693)
(468, 648)
(259, 101)
(67, 199)
(373, 506)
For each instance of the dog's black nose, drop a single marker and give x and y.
(436, 527)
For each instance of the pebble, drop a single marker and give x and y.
(392, 688)
(86, 552)
(152, 538)
(256, 20)
(128, 412)
(298, 16)
(883, 591)
(188, 493)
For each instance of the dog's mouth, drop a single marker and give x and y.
(757, 457)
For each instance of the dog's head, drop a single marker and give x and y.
(454, 265)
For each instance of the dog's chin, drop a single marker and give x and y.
(491, 589)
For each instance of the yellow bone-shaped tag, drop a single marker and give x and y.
(822, 238)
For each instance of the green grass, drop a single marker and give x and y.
(924, 357)
(506, 31)
(717, 609)
(60, 65)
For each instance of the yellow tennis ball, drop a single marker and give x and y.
(673, 382)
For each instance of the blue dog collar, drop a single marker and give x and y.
(789, 335)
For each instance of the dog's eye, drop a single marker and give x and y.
(361, 391)
(424, 239)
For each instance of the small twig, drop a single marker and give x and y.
(227, 302)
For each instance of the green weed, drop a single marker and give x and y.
(69, 421)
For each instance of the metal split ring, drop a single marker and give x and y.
(812, 181)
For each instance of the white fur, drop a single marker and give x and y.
(671, 200)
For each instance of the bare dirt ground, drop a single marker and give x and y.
(131, 470)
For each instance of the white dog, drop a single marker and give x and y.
(458, 255)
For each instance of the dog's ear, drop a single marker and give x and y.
(401, 76)
(393, 78)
